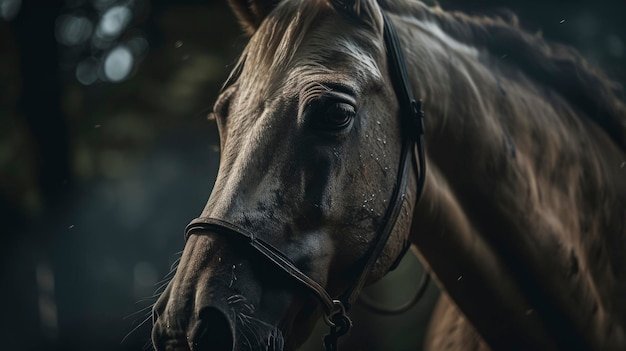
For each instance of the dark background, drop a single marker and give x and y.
(106, 154)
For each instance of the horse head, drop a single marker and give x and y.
(522, 221)
(310, 147)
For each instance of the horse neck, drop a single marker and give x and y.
(503, 221)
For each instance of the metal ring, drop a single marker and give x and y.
(339, 309)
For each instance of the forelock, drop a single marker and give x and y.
(277, 54)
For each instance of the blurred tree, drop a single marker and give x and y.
(40, 101)
(40, 106)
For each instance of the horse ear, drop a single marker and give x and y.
(366, 11)
(251, 13)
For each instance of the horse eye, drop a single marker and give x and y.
(338, 116)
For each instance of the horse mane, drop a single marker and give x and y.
(554, 65)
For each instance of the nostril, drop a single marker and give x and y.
(212, 331)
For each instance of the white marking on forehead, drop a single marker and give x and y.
(365, 59)
(435, 30)
(313, 61)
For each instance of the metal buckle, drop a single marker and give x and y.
(339, 324)
(340, 310)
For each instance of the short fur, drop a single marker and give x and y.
(523, 217)
(558, 66)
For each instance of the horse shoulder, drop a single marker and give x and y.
(449, 330)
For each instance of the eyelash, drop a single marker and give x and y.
(331, 116)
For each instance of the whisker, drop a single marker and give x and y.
(242, 324)
(148, 345)
(151, 298)
(262, 333)
(135, 328)
(165, 279)
(174, 264)
(138, 312)
(234, 299)
(146, 315)
(173, 269)
(253, 331)
(279, 340)
(161, 288)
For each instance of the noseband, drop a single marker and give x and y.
(412, 121)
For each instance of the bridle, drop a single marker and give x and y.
(412, 121)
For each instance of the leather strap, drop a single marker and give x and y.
(412, 124)
(214, 225)
(412, 120)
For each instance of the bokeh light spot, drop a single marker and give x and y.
(9, 8)
(87, 71)
(615, 46)
(118, 64)
(72, 30)
(114, 21)
(138, 46)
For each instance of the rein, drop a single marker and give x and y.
(412, 121)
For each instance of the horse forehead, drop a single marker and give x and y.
(338, 54)
(337, 60)
(333, 51)
(347, 64)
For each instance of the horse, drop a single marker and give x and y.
(521, 217)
